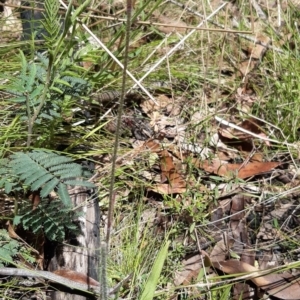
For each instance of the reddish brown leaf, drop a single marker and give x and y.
(258, 50)
(166, 165)
(254, 168)
(252, 125)
(256, 53)
(245, 147)
(169, 171)
(176, 183)
(228, 170)
(35, 199)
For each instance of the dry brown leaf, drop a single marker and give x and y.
(152, 146)
(176, 183)
(281, 286)
(191, 268)
(219, 252)
(162, 101)
(167, 189)
(268, 260)
(243, 141)
(254, 168)
(169, 170)
(246, 67)
(245, 148)
(166, 166)
(228, 170)
(245, 99)
(255, 54)
(35, 199)
(258, 51)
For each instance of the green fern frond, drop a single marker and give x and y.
(79, 10)
(63, 194)
(51, 217)
(30, 78)
(42, 170)
(41, 181)
(64, 169)
(51, 22)
(59, 163)
(23, 65)
(47, 189)
(43, 60)
(35, 176)
(78, 182)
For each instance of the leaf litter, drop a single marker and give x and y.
(244, 228)
(240, 232)
(233, 159)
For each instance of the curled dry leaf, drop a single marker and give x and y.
(35, 199)
(239, 170)
(149, 107)
(282, 286)
(259, 49)
(176, 182)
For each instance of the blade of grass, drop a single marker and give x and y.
(151, 283)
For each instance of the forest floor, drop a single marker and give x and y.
(206, 201)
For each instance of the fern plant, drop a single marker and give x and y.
(44, 89)
(44, 171)
(43, 92)
(41, 105)
(51, 217)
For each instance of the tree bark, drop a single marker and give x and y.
(82, 253)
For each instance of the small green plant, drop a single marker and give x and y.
(44, 171)
(42, 93)
(41, 103)
(50, 216)
(10, 248)
(41, 170)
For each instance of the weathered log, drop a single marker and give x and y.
(82, 253)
